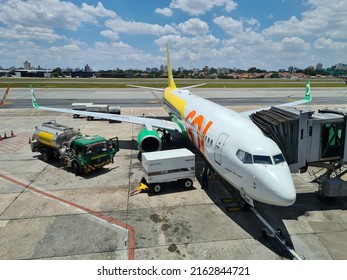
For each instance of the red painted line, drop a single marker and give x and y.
(129, 228)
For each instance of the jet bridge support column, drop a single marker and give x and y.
(277, 235)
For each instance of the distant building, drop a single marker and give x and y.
(319, 67)
(27, 65)
(87, 68)
(223, 70)
(163, 68)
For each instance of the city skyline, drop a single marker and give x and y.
(269, 34)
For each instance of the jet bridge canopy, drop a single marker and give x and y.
(304, 136)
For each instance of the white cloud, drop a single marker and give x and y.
(200, 7)
(330, 45)
(50, 13)
(190, 51)
(165, 11)
(229, 25)
(134, 27)
(322, 18)
(193, 26)
(20, 32)
(110, 35)
(98, 11)
(65, 48)
(294, 45)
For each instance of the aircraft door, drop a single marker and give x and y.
(219, 147)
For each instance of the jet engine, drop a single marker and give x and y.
(149, 141)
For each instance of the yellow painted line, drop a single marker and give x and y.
(229, 200)
(234, 209)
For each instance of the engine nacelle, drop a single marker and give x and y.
(149, 141)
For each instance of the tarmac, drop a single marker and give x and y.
(46, 212)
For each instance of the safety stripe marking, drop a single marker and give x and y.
(129, 228)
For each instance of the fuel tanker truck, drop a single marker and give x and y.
(82, 153)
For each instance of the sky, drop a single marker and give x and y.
(267, 34)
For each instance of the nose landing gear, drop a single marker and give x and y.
(277, 235)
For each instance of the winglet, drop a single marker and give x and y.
(3, 100)
(308, 96)
(33, 98)
(170, 80)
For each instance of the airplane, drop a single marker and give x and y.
(5, 96)
(235, 148)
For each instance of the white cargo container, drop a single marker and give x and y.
(79, 107)
(99, 108)
(168, 166)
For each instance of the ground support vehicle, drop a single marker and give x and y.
(167, 166)
(80, 152)
(99, 108)
(79, 107)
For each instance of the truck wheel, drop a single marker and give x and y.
(76, 168)
(75, 116)
(46, 155)
(156, 188)
(188, 183)
(89, 118)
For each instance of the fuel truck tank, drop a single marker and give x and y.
(54, 135)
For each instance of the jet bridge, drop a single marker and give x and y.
(309, 138)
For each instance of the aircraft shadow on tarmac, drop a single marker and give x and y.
(246, 219)
(274, 215)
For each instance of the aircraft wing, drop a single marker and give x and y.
(149, 123)
(151, 88)
(307, 99)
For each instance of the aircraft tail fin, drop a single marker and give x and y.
(170, 80)
(308, 96)
(3, 100)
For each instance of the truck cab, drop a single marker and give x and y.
(93, 152)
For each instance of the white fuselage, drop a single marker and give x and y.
(237, 150)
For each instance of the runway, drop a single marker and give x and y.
(63, 98)
(46, 212)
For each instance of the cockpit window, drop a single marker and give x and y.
(262, 159)
(244, 157)
(248, 158)
(278, 159)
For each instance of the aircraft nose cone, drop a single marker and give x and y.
(278, 188)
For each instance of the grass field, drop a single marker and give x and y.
(161, 83)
